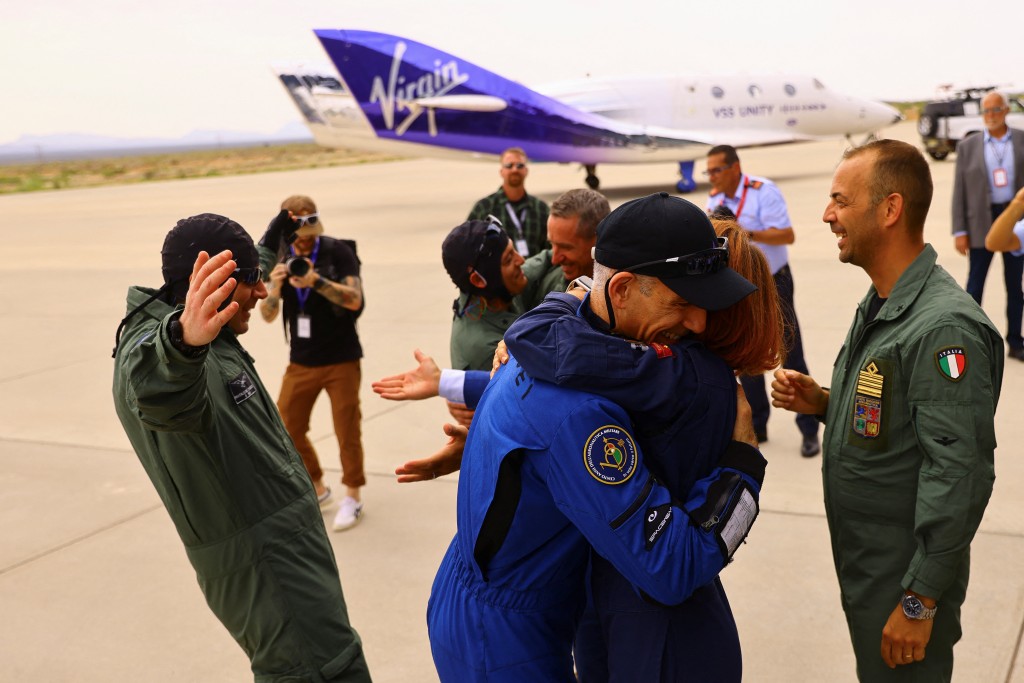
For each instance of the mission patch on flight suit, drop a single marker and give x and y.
(952, 362)
(610, 455)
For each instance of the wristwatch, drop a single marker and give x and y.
(913, 608)
(176, 335)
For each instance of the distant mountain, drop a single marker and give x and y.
(64, 146)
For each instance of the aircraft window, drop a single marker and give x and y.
(717, 92)
(754, 90)
(790, 90)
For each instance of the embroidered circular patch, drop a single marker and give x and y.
(610, 455)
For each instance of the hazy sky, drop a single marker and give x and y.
(130, 68)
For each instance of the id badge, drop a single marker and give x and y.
(303, 326)
(999, 177)
(522, 248)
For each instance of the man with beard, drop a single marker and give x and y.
(524, 216)
(209, 437)
(483, 264)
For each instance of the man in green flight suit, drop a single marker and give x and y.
(909, 436)
(213, 444)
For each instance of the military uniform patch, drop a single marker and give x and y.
(241, 387)
(610, 455)
(952, 362)
(867, 402)
(662, 350)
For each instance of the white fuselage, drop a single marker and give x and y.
(742, 111)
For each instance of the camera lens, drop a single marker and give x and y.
(297, 266)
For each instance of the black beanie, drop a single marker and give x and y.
(206, 232)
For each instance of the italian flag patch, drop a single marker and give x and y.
(952, 362)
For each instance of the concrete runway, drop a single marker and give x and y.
(94, 584)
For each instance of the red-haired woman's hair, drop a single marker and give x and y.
(749, 334)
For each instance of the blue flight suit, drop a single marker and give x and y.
(549, 471)
(688, 400)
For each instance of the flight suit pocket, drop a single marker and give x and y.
(947, 436)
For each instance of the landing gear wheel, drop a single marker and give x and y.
(938, 154)
(593, 182)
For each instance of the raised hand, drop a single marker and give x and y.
(209, 287)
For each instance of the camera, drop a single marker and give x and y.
(297, 266)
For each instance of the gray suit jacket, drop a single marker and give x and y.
(972, 201)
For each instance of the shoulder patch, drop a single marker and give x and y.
(241, 387)
(952, 362)
(756, 184)
(610, 455)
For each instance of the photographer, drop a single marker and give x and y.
(316, 278)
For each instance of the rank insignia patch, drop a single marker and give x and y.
(867, 402)
(952, 362)
(610, 455)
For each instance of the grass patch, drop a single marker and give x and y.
(81, 173)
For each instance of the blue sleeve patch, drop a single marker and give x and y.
(610, 455)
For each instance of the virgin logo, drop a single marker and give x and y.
(401, 95)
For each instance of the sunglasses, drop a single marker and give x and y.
(311, 219)
(518, 166)
(493, 233)
(698, 263)
(248, 276)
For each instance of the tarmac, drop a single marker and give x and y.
(94, 583)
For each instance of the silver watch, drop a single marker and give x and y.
(913, 608)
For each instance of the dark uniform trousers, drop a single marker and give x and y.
(1013, 272)
(754, 386)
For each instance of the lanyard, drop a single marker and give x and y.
(302, 293)
(743, 198)
(516, 220)
(1003, 144)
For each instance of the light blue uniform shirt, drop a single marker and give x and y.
(999, 154)
(763, 208)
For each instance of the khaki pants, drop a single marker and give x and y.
(299, 390)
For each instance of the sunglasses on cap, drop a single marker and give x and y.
(702, 262)
(248, 276)
(310, 219)
(494, 232)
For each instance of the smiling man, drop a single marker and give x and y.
(572, 232)
(214, 446)
(909, 437)
(483, 263)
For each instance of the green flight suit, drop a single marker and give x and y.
(908, 466)
(476, 332)
(212, 442)
(542, 277)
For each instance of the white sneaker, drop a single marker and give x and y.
(348, 514)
